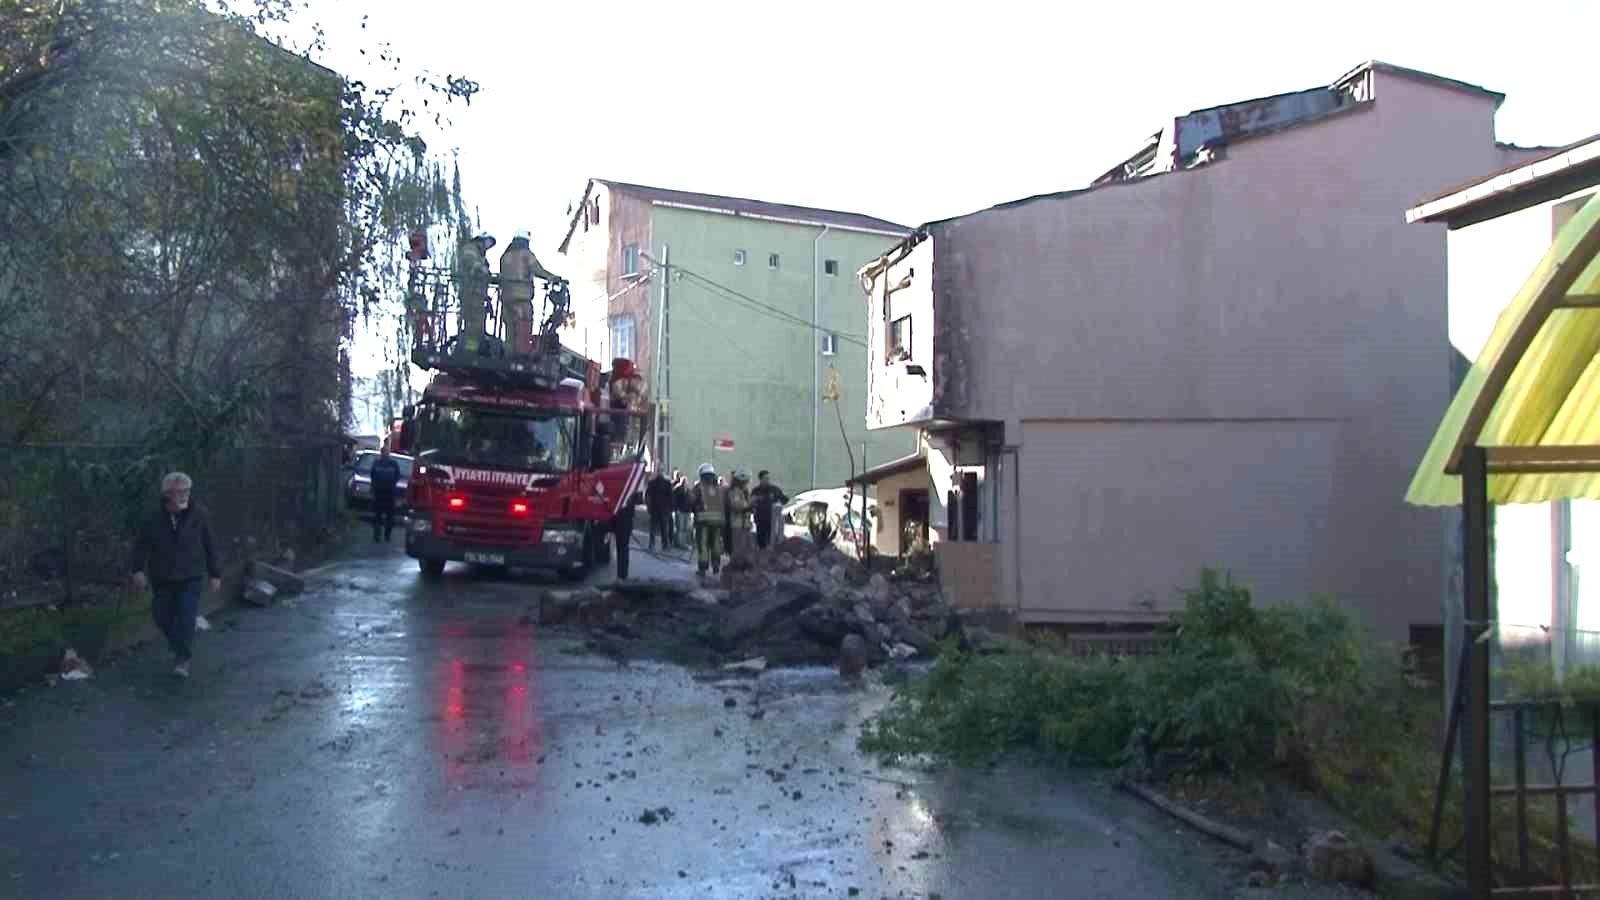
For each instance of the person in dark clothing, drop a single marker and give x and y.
(681, 530)
(766, 499)
(658, 501)
(173, 552)
(385, 484)
(622, 535)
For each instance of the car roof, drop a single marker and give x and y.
(391, 453)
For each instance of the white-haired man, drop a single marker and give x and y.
(173, 553)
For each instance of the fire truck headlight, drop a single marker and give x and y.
(562, 536)
(421, 523)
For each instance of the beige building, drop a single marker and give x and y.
(1228, 351)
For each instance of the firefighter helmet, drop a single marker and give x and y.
(522, 234)
(707, 469)
(741, 474)
(484, 238)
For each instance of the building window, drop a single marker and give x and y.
(772, 260)
(830, 344)
(595, 206)
(900, 339)
(738, 257)
(622, 337)
(830, 267)
(630, 259)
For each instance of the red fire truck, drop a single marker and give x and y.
(522, 456)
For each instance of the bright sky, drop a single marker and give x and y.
(873, 107)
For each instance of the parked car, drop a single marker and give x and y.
(358, 483)
(830, 504)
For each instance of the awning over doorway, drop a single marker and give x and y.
(893, 467)
(1532, 397)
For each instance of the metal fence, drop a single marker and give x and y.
(67, 511)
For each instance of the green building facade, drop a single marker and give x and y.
(761, 313)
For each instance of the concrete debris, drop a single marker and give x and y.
(1333, 857)
(73, 668)
(757, 664)
(788, 605)
(286, 582)
(201, 623)
(260, 593)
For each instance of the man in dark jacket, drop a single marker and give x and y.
(658, 501)
(385, 478)
(764, 501)
(173, 553)
(682, 531)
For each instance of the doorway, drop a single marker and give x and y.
(914, 511)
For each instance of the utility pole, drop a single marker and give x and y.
(662, 464)
(816, 349)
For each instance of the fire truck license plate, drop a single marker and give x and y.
(488, 559)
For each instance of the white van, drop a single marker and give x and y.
(830, 503)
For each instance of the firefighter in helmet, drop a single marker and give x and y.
(472, 275)
(518, 268)
(706, 501)
(739, 516)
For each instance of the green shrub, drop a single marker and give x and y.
(1238, 687)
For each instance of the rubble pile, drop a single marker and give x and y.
(789, 604)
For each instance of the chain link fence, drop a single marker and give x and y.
(67, 511)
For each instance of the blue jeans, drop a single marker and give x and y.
(174, 605)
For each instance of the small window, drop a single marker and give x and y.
(622, 338)
(630, 259)
(900, 339)
(830, 344)
(738, 257)
(830, 266)
(772, 260)
(595, 207)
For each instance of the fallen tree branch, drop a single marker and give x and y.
(1227, 834)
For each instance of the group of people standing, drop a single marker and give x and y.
(724, 512)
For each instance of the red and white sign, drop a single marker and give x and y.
(722, 443)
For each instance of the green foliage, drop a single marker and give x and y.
(1237, 687)
(193, 216)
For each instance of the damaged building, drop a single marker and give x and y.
(1227, 351)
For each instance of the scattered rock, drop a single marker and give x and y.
(1331, 856)
(656, 816)
(287, 582)
(823, 624)
(1270, 857)
(260, 593)
(916, 637)
(730, 703)
(758, 664)
(852, 656)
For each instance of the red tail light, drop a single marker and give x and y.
(457, 502)
(519, 507)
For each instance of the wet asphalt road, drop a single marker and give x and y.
(389, 738)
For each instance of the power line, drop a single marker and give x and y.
(757, 305)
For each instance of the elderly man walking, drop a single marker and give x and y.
(173, 553)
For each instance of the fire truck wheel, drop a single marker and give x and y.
(432, 569)
(602, 547)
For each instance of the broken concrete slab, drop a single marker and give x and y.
(788, 597)
(852, 656)
(916, 637)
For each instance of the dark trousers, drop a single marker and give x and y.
(382, 516)
(622, 536)
(708, 546)
(661, 526)
(763, 527)
(174, 605)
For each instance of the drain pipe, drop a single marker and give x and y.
(1016, 528)
(816, 349)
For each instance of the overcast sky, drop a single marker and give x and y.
(877, 108)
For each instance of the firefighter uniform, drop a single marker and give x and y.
(706, 502)
(472, 274)
(739, 515)
(518, 268)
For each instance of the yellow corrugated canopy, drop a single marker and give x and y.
(1552, 397)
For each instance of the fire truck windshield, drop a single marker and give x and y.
(527, 440)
